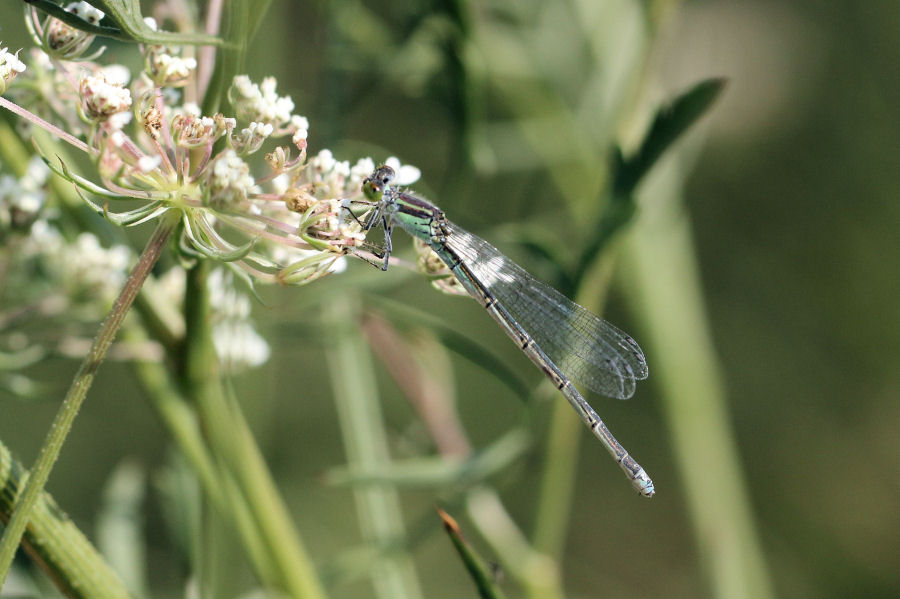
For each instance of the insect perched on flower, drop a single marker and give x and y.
(285, 224)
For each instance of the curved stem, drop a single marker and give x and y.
(62, 423)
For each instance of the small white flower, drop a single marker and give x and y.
(10, 66)
(36, 173)
(18, 206)
(405, 174)
(147, 164)
(116, 74)
(237, 343)
(281, 183)
(167, 69)
(117, 138)
(362, 169)
(119, 120)
(21, 199)
(229, 180)
(101, 99)
(251, 137)
(224, 298)
(88, 266)
(300, 126)
(239, 346)
(191, 108)
(86, 11)
(323, 161)
(260, 103)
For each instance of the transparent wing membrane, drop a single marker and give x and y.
(583, 346)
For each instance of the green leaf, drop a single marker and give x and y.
(670, 123)
(438, 471)
(471, 560)
(80, 182)
(131, 27)
(201, 243)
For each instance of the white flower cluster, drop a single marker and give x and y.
(83, 269)
(290, 225)
(10, 66)
(336, 178)
(60, 39)
(101, 99)
(237, 343)
(230, 181)
(251, 138)
(165, 66)
(21, 199)
(254, 102)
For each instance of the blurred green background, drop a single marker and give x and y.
(789, 188)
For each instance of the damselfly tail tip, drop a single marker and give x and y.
(639, 478)
(643, 485)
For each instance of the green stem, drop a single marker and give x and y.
(62, 423)
(560, 464)
(558, 476)
(55, 543)
(184, 426)
(366, 445)
(289, 566)
(662, 276)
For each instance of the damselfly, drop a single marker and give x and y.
(559, 336)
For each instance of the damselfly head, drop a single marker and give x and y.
(374, 185)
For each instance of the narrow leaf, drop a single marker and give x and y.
(471, 560)
(438, 471)
(670, 123)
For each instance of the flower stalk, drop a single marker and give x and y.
(62, 423)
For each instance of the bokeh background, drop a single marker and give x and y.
(786, 194)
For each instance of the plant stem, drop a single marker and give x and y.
(365, 442)
(553, 509)
(62, 423)
(289, 566)
(56, 131)
(661, 276)
(55, 543)
(558, 476)
(183, 424)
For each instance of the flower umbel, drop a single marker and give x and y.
(100, 99)
(287, 222)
